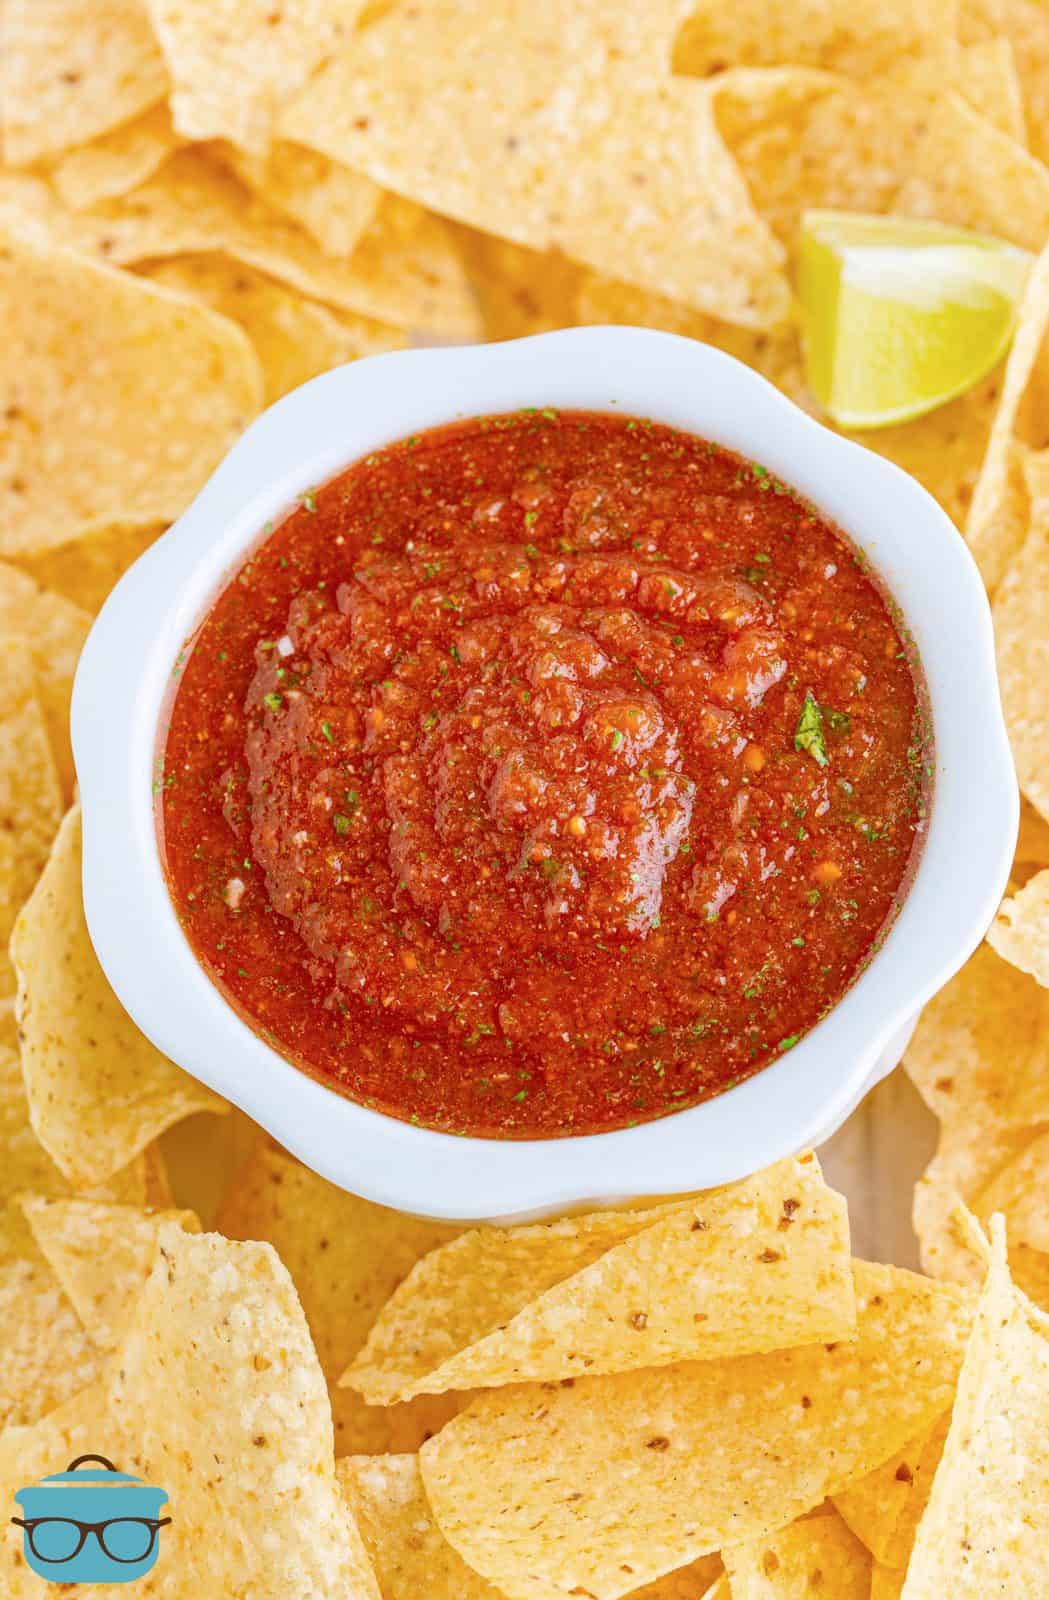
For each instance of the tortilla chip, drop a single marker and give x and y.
(1025, 25)
(833, 34)
(987, 78)
(332, 203)
(1032, 846)
(1020, 931)
(404, 271)
(886, 1583)
(967, 171)
(54, 630)
(1003, 500)
(884, 1508)
(412, 1558)
(455, 118)
(30, 793)
(1021, 625)
(45, 1354)
(804, 138)
(813, 1559)
(700, 1580)
(101, 1255)
(609, 1482)
(218, 1392)
(294, 338)
(519, 291)
(92, 435)
(233, 62)
(98, 1090)
(116, 161)
(986, 1529)
(25, 1164)
(971, 1156)
(1030, 1269)
(346, 1257)
(1018, 1190)
(760, 1265)
(72, 69)
(653, 189)
(85, 569)
(158, 1194)
(535, 124)
(981, 1050)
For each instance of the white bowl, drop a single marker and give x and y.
(125, 675)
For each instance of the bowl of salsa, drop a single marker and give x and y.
(541, 773)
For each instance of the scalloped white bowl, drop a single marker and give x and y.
(307, 437)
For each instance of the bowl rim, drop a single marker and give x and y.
(122, 686)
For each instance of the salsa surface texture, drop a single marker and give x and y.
(543, 774)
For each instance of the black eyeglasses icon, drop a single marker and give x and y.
(58, 1539)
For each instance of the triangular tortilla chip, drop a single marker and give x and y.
(884, 1508)
(54, 630)
(834, 34)
(84, 569)
(1020, 931)
(404, 271)
(218, 1392)
(1019, 1190)
(92, 435)
(815, 1558)
(332, 203)
(346, 1257)
(294, 338)
(45, 1354)
(116, 161)
(411, 1557)
(608, 1482)
(551, 127)
(98, 1090)
(981, 1050)
(234, 61)
(986, 1529)
(26, 1165)
(71, 69)
(759, 1265)
(1025, 25)
(972, 1152)
(519, 291)
(1004, 498)
(101, 1255)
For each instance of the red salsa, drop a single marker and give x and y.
(543, 774)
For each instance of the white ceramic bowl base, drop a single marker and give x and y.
(125, 674)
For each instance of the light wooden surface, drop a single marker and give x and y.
(875, 1160)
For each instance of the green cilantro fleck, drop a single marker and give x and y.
(809, 733)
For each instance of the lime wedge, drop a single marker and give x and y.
(901, 316)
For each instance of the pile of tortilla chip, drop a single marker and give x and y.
(203, 204)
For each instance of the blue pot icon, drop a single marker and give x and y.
(91, 1524)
